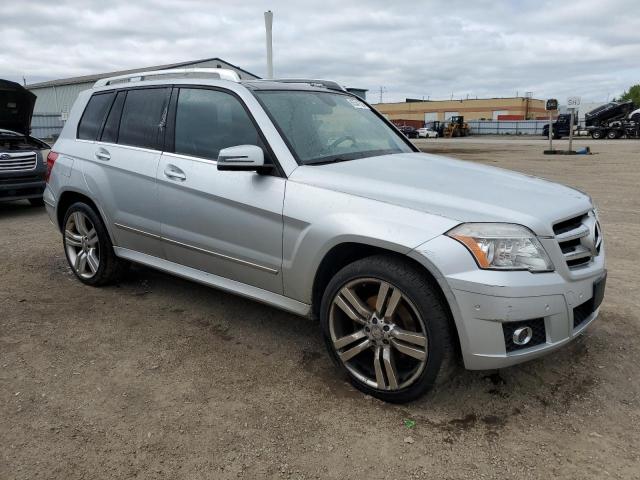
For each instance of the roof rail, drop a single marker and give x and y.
(218, 73)
(330, 84)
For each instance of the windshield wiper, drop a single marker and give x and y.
(331, 160)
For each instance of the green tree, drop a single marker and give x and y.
(632, 94)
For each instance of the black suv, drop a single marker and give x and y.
(22, 163)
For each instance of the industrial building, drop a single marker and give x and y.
(416, 113)
(56, 97)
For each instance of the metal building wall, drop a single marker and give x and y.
(46, 126)
(57, 99)
(60, 98)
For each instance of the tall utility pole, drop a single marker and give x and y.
(382, 90)
(268, 23)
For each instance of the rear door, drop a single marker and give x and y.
(122, 167)
(222, 222)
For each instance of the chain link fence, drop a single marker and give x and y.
(507, 127)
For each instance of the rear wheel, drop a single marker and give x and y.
(596, 134)
(612, 134)
(385, 326)
(88, 247)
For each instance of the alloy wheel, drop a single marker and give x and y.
(378, 334)
(82, 245)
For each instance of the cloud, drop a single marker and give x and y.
(434, 49)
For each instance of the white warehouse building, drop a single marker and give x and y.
(56, 97)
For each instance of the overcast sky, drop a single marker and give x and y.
(412, 49)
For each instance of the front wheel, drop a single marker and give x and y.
(385, 325)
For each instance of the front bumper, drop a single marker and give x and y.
(18, 188)
(24, 183)
(488, 305)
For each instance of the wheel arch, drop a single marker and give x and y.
(68, 198)
(343, 254)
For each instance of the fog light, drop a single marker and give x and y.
(522, 335)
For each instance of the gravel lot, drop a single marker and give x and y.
(161, 378)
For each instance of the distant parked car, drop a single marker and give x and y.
(22, 157)
(427, 133)
(408, 131)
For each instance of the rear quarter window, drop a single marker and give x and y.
(94, 115)
(143, 115)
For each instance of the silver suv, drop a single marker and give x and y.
(300, 195)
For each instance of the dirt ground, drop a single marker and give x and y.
(162, 378)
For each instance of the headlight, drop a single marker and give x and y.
(503, 246)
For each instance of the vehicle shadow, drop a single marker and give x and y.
(19, 208)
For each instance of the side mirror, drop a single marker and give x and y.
(241, 158)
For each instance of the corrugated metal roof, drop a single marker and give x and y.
(98, 76)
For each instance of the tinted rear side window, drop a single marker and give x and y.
(143, 117)
(93, 116)
(110, 132)
(208, 121)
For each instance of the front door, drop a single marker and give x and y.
(221, 222)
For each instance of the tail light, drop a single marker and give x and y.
(51, 160)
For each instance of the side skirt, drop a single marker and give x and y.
(211, 280)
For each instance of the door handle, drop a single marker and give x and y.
(102, 154)
(174, 173)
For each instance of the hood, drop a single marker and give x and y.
(16, 107)
(456, 189)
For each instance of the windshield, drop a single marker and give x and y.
(323, 127)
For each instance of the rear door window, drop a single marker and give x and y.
(94, 114)
(209, 120)
(144, 117)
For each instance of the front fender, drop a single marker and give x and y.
(316, 220)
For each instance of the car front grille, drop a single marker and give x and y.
(18, 161)
(579, 238)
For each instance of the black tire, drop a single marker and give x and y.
(426, 301)
(37, 202)
(556, 136)
(597, 134)
(612, 134)
(110, 268)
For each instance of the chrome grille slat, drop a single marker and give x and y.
(581, 231)
(577, 253)
(18, 162)
(579, 239)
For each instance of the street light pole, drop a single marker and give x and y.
(268, 23)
